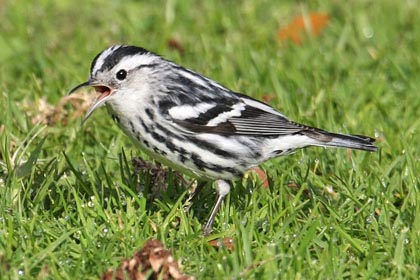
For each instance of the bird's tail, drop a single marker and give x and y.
(329, 139)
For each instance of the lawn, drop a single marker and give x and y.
(77, 200)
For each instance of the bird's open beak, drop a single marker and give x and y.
(105, 92)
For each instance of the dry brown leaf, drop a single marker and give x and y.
(226, 242)
(153, 261)
(268, 97)
(175, 44)
(43, 112)
(262, 175)
(293, 185)
(313, 24)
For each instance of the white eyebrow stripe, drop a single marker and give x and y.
(128, 62)
(137, 60)
(101, 59)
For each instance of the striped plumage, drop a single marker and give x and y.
(193, 124)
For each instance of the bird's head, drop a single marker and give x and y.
(117, 71)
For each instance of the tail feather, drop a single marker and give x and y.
(329, 139)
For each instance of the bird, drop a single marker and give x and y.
(194, 124)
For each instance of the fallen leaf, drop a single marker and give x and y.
(153, 261)
(43, 112)
(175, 45)
(268, 97)
(312, 24)
(293, 185)
(226, 242)
(262, 175)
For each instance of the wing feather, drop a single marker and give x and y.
(195, 104)
(240, 119)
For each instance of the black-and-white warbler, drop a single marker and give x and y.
(192, 123)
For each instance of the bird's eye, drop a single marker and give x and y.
(121, 74)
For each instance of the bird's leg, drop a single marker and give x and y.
(198, 189)
(223, 189)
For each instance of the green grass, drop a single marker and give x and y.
(70, 207)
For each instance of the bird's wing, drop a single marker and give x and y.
(232, 116)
